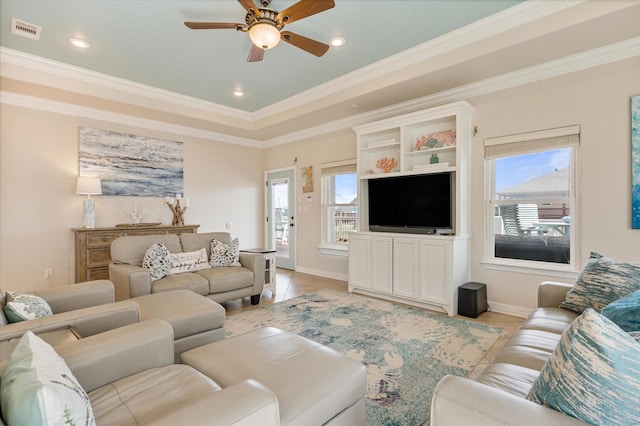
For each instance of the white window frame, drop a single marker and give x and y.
(526, 143)
(327, 170)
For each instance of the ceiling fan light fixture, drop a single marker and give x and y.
(337, 41)
(264, 35)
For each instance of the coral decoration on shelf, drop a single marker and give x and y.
(387, 164)
(436, 140)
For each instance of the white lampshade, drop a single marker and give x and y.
(88, 185)
(264, 36)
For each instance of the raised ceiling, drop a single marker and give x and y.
(144, 59)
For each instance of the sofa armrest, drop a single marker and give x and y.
(551, 294)
(86, 322)
(106, 357)
(256, 263)
(459, 401)
(248, 403)
(129, 280)
(78, 296)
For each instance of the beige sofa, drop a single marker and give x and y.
(130, 377)
(498, 396)
(220, 284)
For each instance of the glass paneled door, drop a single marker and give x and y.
(280, 217)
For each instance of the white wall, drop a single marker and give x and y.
(38, 204)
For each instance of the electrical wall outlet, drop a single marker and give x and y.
(48, 272)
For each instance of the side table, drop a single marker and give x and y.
(269, 267)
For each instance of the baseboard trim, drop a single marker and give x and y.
(517, 311)
(323, 273)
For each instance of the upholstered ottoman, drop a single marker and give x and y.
(196, 320)
(314, 384)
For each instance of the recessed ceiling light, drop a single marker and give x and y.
(239, 93)
(78, 42)
(337, 41)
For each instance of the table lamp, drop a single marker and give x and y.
(89, 186)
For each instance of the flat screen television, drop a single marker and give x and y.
(418, 204)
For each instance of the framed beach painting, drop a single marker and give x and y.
(635, 162)
(131, 165)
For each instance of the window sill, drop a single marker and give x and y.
(334, 250)
(534, 268)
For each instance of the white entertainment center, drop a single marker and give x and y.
(421, 267)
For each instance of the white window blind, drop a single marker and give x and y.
(525, 143)
(338, 167)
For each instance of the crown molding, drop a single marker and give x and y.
(60, 69)
(32, 102)
(574, 63)
(490, 26)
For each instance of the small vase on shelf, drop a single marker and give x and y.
(434, 159)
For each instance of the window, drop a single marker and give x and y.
(339, 205)
(531, 198)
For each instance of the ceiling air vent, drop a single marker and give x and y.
(25, 29)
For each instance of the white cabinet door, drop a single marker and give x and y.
(406, 267)
(435, 273)
(381, 250)
(359, 262)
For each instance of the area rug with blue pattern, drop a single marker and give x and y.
(406, 350)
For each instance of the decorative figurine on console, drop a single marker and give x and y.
(177, 210)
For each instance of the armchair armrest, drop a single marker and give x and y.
(459, 401)
(87, 321)
(551, 294)
(106, 357)
(129, 280)
(256, 263)
(78, 296)
(248, 403)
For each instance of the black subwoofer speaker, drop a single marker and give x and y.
(472, 299)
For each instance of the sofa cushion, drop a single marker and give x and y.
(515, 379)
(625, 312)
(529, 348)
(39, 388)
(189, 261)
(23, 306)
(192, 242)
(225, 254)
(157, 260)
(186, 281)
(227, 278)
(594, 373)
(553, 320)
(145, 397)
(601, 282)
(131, 249)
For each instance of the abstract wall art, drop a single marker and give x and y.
(131, 165)
(635, 162)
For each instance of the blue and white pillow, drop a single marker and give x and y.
(625, 312)
(601, 282)
(23, 306)
(593, 374)
(157, 260)
(38, 388)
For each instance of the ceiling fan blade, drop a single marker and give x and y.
(247, 4)
(255, 54)
(304, 8)
(212, 25)
(312, 46)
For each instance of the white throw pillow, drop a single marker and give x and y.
(38, 388)
(225, 255)
(23, 306)
(189, 262)
(157, 260)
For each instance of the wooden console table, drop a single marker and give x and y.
(93, 246)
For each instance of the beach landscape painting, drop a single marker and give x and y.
(131, 165)
(635, 162)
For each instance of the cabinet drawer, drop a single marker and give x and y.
(98, 273)
(99, 256)
(102, 239)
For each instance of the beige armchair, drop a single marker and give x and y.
(79, 310)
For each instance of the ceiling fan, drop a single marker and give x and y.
(265, 26)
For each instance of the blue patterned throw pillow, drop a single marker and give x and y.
(593, 374)
(625, 312)
(23, 306)
(601, 282)
(157, 260)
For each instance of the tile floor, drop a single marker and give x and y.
(290, 284)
